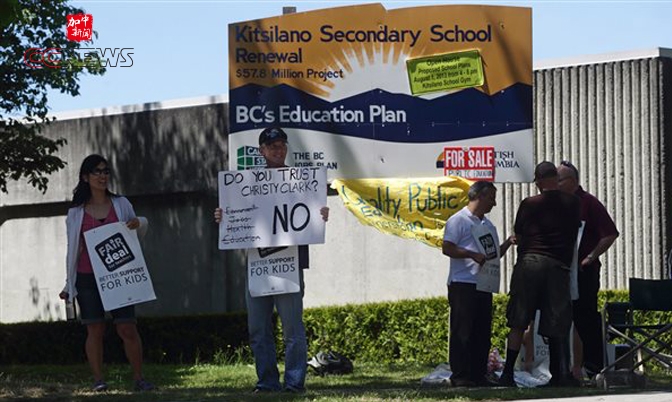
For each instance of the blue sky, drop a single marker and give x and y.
(180, 47)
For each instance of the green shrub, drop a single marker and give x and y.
(409, 330)
(185, 339)
(41, 342)
(192, 339)
(403, 331)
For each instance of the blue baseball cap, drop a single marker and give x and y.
(272, 134)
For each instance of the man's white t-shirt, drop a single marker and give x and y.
(458, 231)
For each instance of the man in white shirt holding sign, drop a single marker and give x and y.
(273, 147)
(471, 242)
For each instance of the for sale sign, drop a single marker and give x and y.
(473, 163)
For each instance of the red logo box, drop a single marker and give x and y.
(79, 27)
(473, 163)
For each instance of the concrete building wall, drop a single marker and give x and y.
(612, 118)
(165, 159)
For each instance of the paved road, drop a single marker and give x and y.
(657, 396)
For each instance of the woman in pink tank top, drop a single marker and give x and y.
(93, 206)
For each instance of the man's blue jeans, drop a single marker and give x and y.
(260, 324)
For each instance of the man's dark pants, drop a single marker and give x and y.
(470, 326)
(542, 282)
(587, 319)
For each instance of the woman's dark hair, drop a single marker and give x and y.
(82, 193)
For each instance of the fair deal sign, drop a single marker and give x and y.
(272, 207)
(119, 266)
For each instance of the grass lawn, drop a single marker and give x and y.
(206, 382)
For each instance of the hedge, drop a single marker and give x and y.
(186, 339)
(402, 331)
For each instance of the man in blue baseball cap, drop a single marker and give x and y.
(273, 147)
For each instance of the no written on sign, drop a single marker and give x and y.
(272, 207)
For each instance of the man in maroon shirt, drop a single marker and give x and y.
(599, 233)
(546, 227)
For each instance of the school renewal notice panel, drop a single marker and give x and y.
(367, 92)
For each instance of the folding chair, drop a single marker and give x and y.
(623, 322)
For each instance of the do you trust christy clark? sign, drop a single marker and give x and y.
(272, 207)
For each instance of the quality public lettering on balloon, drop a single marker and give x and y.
(433, 200)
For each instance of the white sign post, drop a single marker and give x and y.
(119, 266)
(274, 273)
(576, 265)
(272, 207)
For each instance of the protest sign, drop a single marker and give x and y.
(274, 273)
(574, 268)
(119, 266)
(370, 92)
(410, 208)
(487, 277)
(271, 207)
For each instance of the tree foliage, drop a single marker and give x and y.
(25, 24)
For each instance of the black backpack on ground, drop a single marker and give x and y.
(330, 363)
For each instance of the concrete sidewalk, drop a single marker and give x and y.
(654, 396)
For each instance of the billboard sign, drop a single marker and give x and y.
(368, 92)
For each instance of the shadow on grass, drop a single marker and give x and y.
(234, 383)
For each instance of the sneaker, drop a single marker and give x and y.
(99, 386)
(144, 385)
